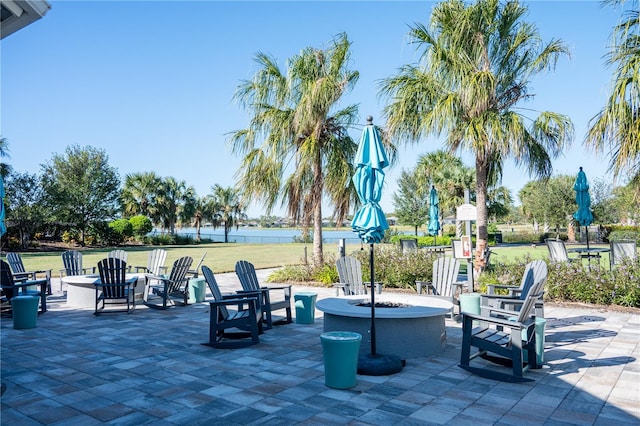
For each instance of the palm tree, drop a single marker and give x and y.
(204, 210)
(229, 209)
(139, 193)
(295, 126)
(478, 61)
(5, 169)
(618, 124)
(169, 202)
(448, 174)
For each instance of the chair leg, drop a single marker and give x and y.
(465, 353)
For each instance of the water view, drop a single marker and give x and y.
(265, 235)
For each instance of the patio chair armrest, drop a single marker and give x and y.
(426, 284)
(156, 277)
(139, 268)
(493, 312)
(339, 286)
(492, 287)
(234, 301)
(378, 285)
(242, 293)
(493, 320)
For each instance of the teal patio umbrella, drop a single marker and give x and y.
(3, 227)
(434, 214)
(370, 223)
(583, 215)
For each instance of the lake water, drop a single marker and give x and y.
(265, 236)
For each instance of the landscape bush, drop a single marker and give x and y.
(141, 226)
(566, 282)
(573, 282)
(123, 228)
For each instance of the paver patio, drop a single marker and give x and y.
(151, 368)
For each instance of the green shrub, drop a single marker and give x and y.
(424, 240)
(160, 240)
(184, 240)
(624, 234)
(69, 237)
(122, 227)
(141, 225)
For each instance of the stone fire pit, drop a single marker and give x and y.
(414, 329)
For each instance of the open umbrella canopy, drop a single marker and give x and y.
(369, 221)
(583, 215)
(434, 212)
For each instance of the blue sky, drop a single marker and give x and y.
(152, 83)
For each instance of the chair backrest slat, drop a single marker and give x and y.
(119, 254)
(215, 290)
(15, 262)
(72, 261)
(445, 273)
(179, 272)
(350, 274)
(620, 249)
(113, 272)
(246, 274)
(557, 250)
(407, 245)
(535, 291)
(156, 261)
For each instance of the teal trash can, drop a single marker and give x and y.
(540, 326)
(470, 303)
(24, 311)
(539, 330)
(197, 290)
(340, 350)
(305, 303)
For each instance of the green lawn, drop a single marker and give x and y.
(221, 257)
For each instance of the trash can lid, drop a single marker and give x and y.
(306, 293)
(341, 335)
(470, 295)
(25, 297)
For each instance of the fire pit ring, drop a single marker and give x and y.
(411, 331)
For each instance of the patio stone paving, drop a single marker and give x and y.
(150, 367)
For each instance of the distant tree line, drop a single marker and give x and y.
(78, 197)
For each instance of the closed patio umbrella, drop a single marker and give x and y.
(3, 227)
(370, 223)
(583, 215)
(434, 214)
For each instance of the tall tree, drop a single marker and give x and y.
(550, 201)
(410, 202)
(169, 203)
(26, 210)
(82, 188)
(449, 175)
(205, 210)
(617, 126)
(229, 209)
(139, 193)
(5, 168)
(478, 60)
(499, 203)
(296, 127)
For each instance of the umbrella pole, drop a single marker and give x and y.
(586, 228)
(373, 303)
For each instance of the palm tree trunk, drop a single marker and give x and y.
(318, 256)
(482, 235)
